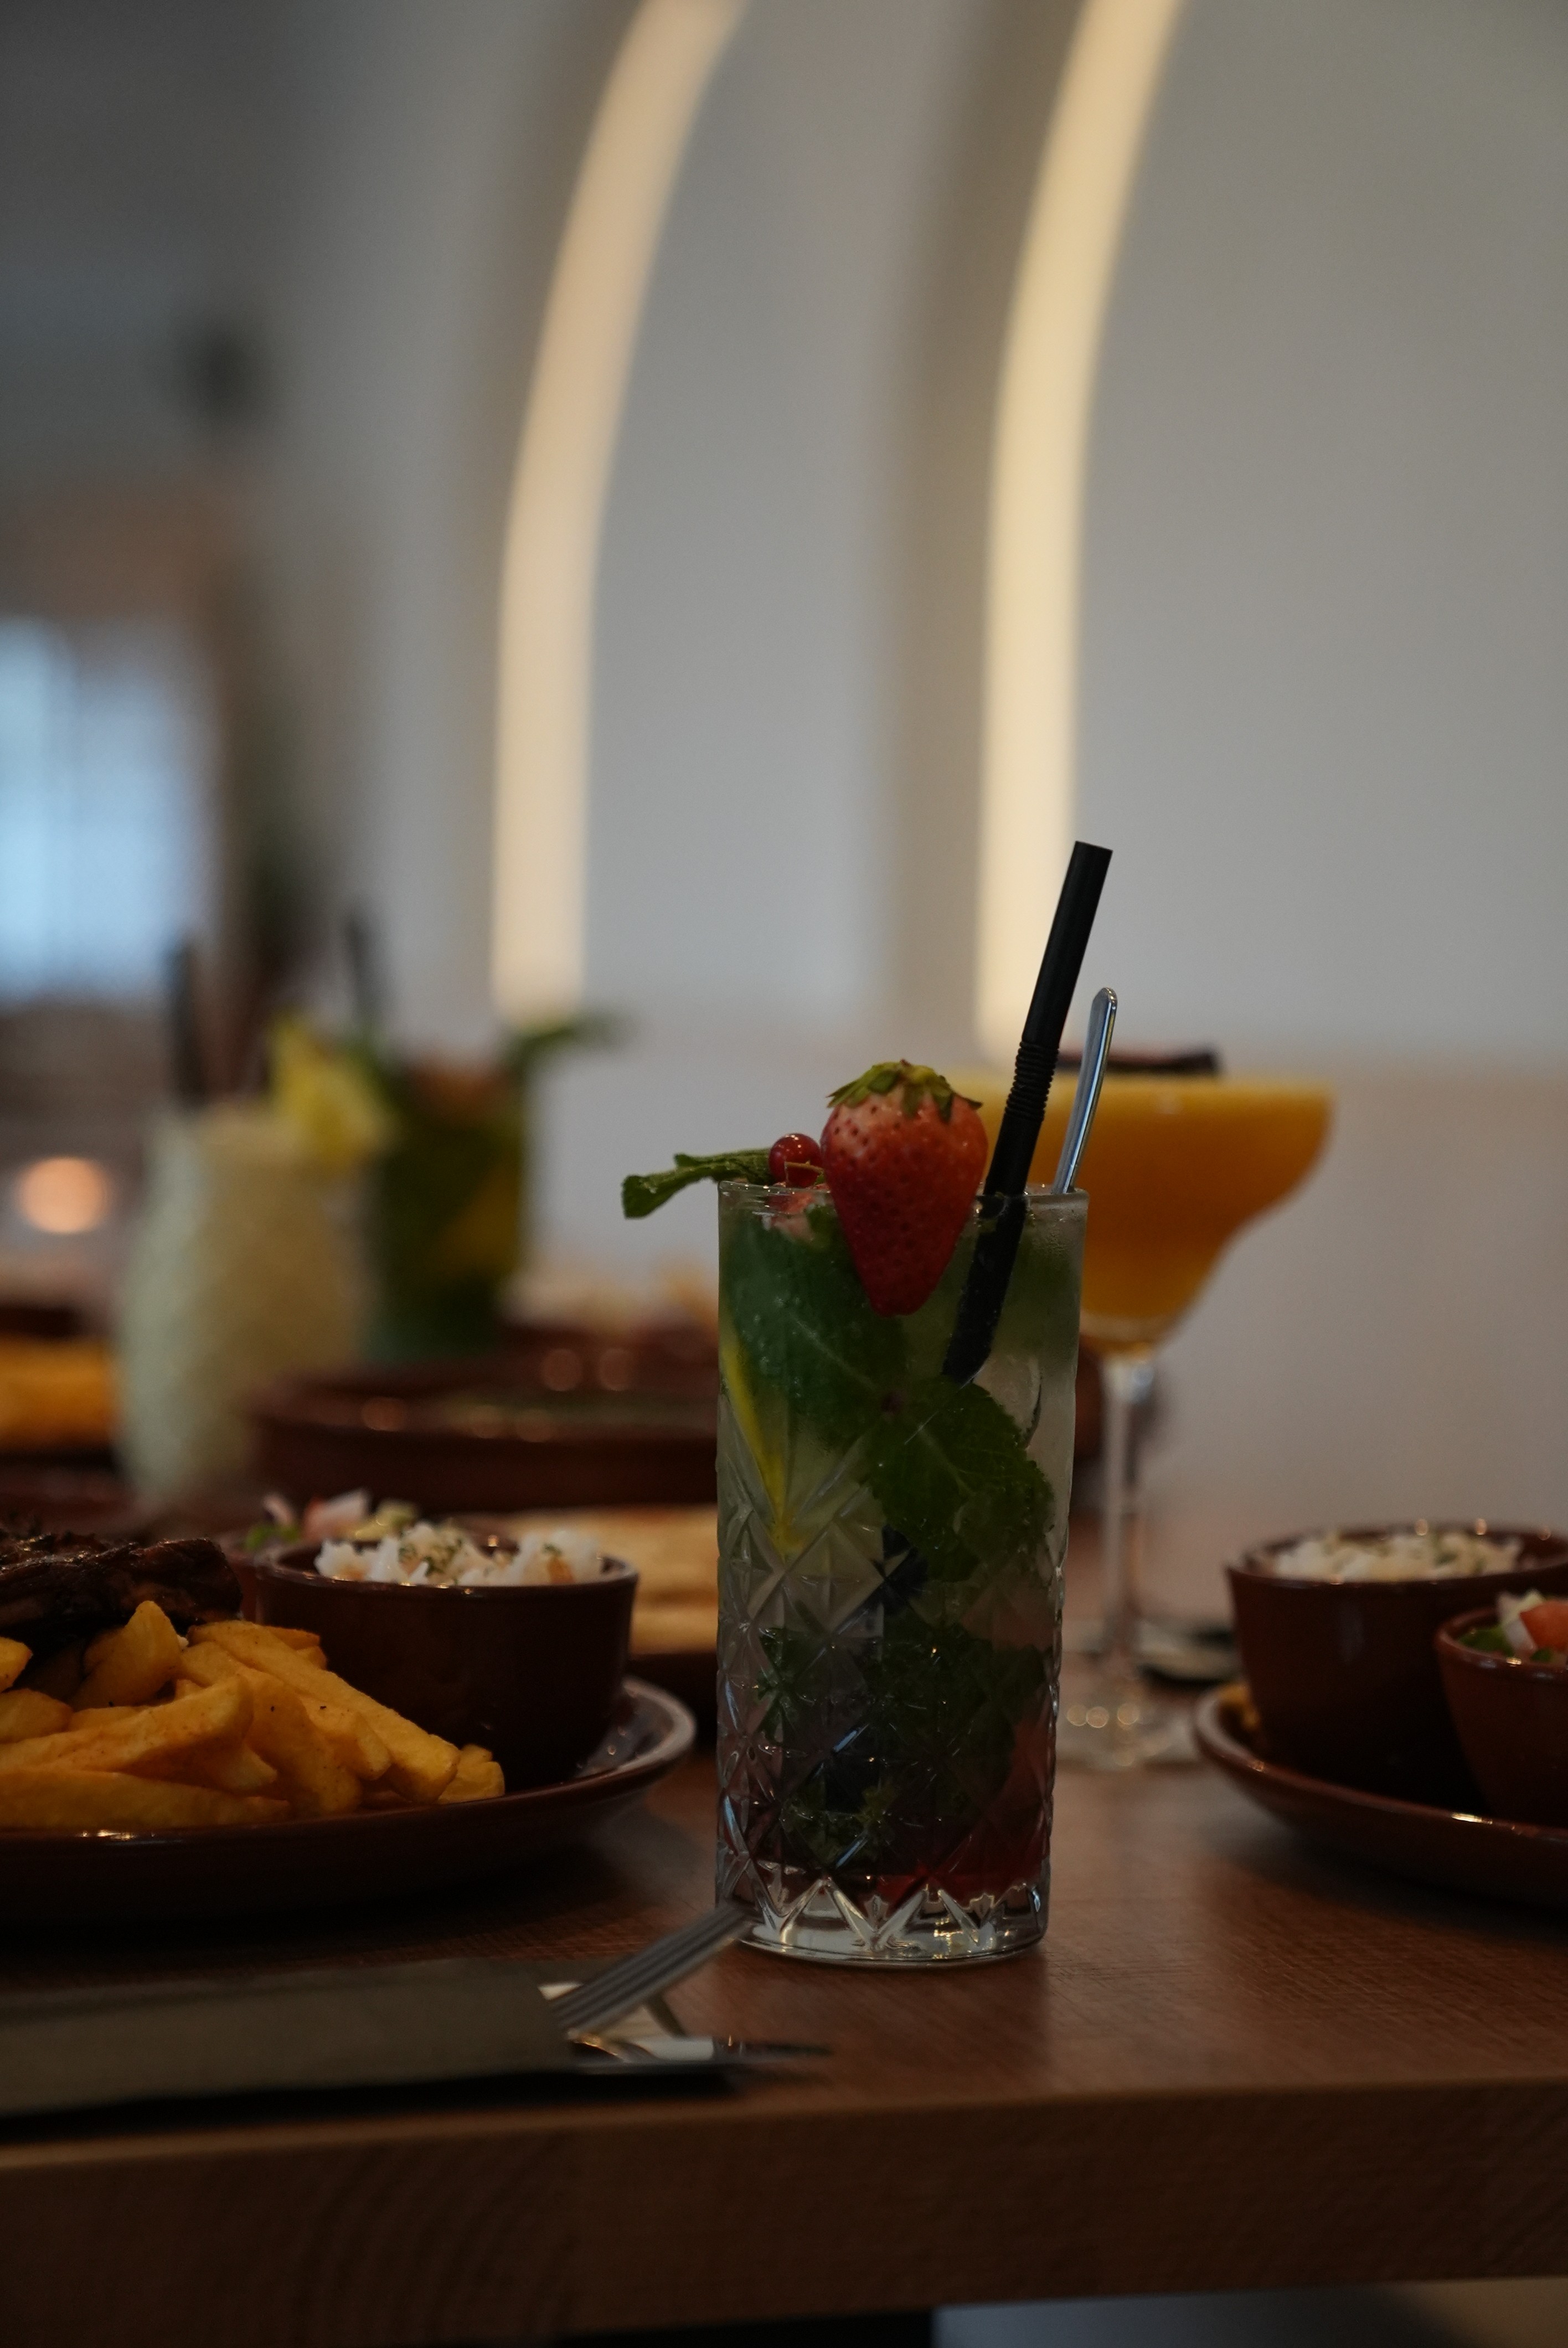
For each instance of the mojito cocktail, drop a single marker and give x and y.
(891, 1546)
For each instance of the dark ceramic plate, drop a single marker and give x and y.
(470, 1437)
(112, 1878)
(1453, 1848)
(72, 1499)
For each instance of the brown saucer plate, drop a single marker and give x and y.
(112, 1878)
(1493, 1857)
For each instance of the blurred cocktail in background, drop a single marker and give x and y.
(1175, 1167)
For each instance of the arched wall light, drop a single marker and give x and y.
(630, 169)
(1035, 555)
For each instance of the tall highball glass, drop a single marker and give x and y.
(891, 1548)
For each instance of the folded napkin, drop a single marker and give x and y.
(364, 2026)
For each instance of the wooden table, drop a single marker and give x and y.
(1235, 2065)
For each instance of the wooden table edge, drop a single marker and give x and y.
(560, 2221)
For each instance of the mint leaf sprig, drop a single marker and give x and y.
(643, 1194)
(947, 1465)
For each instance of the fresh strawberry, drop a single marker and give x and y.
(904, 1155)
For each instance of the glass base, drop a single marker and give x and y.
(824, 1923)
(1118, 1724)
(1194, 1654)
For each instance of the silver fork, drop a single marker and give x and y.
(594, 2005)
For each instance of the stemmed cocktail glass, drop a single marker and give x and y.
(1175, 1165)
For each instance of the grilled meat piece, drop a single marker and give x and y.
(55, 1587)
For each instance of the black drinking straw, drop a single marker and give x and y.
(980, 1305)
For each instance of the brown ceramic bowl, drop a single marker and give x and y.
(532, 1672)
(1511, 1716)
(1343, 1672)
(558, 1425)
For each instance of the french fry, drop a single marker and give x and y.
(477, 1777)
(28, 1711)
(138, 1736)
(312, 1782)
(130, 1664)
(59, 1674)
(208, 1667)
(80, 1800)
(350, 1737)
(307, 1642)
(302, 1643)
(232, 1768)
(351, 1740)
(249, 1725)
(103, 1644)
(422, 1765)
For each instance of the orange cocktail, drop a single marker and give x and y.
(1174, 1166)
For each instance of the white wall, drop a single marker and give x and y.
(1326, 726)
(436, 153)
(739, 760)
(139, 180)
(1325, 696)
(740, 879)
(785, 728)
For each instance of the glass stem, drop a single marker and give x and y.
(1125, 1381)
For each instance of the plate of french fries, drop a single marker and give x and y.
(227, 1768)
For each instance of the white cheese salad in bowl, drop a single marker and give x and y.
(459, 1626)
(392, 1543)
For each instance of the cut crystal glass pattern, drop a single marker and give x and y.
(886, 1721)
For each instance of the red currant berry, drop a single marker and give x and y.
(794, 1159)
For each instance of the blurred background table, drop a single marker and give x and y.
(1233, 2066)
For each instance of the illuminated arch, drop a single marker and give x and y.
(549, 572)
(1052, 355)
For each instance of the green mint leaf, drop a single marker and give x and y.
(947, 1465)
(944, 1699)
(949, 1470)
(805, 1325)
(643, 1194)
(933, 1747)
